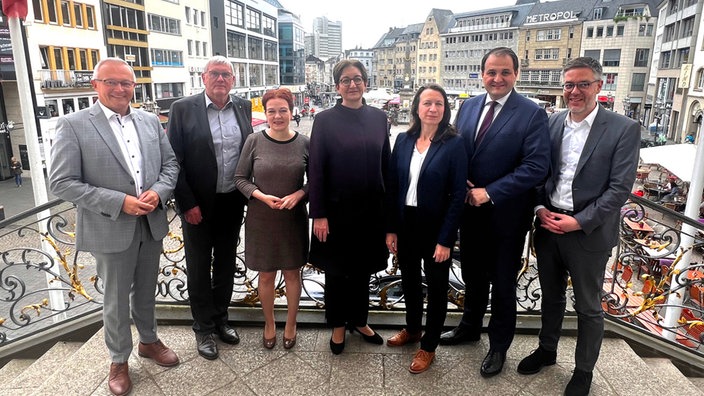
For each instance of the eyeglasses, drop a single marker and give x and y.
(581, 85)
(347, 81)
(114, 83)
(215, 75)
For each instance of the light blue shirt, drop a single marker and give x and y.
(227, 142)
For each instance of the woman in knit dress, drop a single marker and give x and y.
(349, 157)
(270, 173)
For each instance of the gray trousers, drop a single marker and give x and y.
(129, 279)
(558, 256)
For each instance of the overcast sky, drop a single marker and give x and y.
(364, 21)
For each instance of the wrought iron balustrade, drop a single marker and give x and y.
(44, 281)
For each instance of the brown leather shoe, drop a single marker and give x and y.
(402, 338)
(421, 361)
(157, 351)
(119, 379)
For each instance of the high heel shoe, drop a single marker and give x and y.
(269, 343)
(372, 339)
(336, 348)
(289, 342)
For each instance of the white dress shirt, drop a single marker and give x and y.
(497, 108)
(126, 135)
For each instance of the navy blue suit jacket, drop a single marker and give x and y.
(441, 186)
(512, 159)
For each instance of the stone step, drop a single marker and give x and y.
(13, 368)
(672, 376)
(87, 369)
(54, 359)
(311, 368)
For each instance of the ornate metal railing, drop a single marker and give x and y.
(44, 281)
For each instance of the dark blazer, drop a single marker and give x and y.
(441, 186)
(190, 137)
(604, 176)
(511, 160)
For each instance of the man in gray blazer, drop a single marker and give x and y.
(594, 161)
(116, 165)
(207, 132)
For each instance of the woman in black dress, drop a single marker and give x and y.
(349, 155)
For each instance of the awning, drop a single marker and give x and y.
(678, 159)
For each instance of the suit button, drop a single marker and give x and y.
(132, 182)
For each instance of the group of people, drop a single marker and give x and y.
(500, 165)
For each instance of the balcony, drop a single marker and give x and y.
(47, 287)
(65, 79)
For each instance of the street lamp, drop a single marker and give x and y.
(626, 106)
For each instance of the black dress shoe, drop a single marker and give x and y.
(458, 335)
(493, 363)
(336, 348)
(372, 339)
(207, 346)
(534, 362)
(228, 335)
(579, 384)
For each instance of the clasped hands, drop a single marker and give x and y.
(476, 196)
(556, 222)
(142, 205)
(288, 202)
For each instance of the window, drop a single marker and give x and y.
(669, 33)
(548, 35)
(254, 22)
(255, 75)
(645, 29)
(51, 11)
(270, 50)
(687, 27)
(255, 48)
(547, 53)
(594, 54)
(610, 81)
(619, 30)
(78, 12)
(612, 57)
(168, 90)
(638, 82)
(682, 57)
(641, 59)
(158, 23)
(38, 11)
(590, 32)
(609, 31)
(598, 12)
(205, 48)
(188, 15)
(164, 57)
(197, 46)
(700, 79)
(269, 26)
(599, 31)
(665, 58)
(90, 17)
(202, 18)
(234, 13)
(190, 47)
(65, 13)
(236, 45)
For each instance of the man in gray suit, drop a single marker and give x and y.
(594, 160)
(116, 165)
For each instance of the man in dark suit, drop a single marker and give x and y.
(115, 163)
(207, 132)
(594, 161)
(507, 143)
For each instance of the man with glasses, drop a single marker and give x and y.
(116, 165)
(507, 143)
(207, 132)
(594, 161)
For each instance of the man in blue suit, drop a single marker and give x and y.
(594, 161)
(508, 149)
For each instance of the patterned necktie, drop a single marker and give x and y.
(488, 118)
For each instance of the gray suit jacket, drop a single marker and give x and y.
(88, 169)
(604, 177)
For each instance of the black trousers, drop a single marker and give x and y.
(347, 299)
(211, 245)
(416, 245)
(489, 260)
